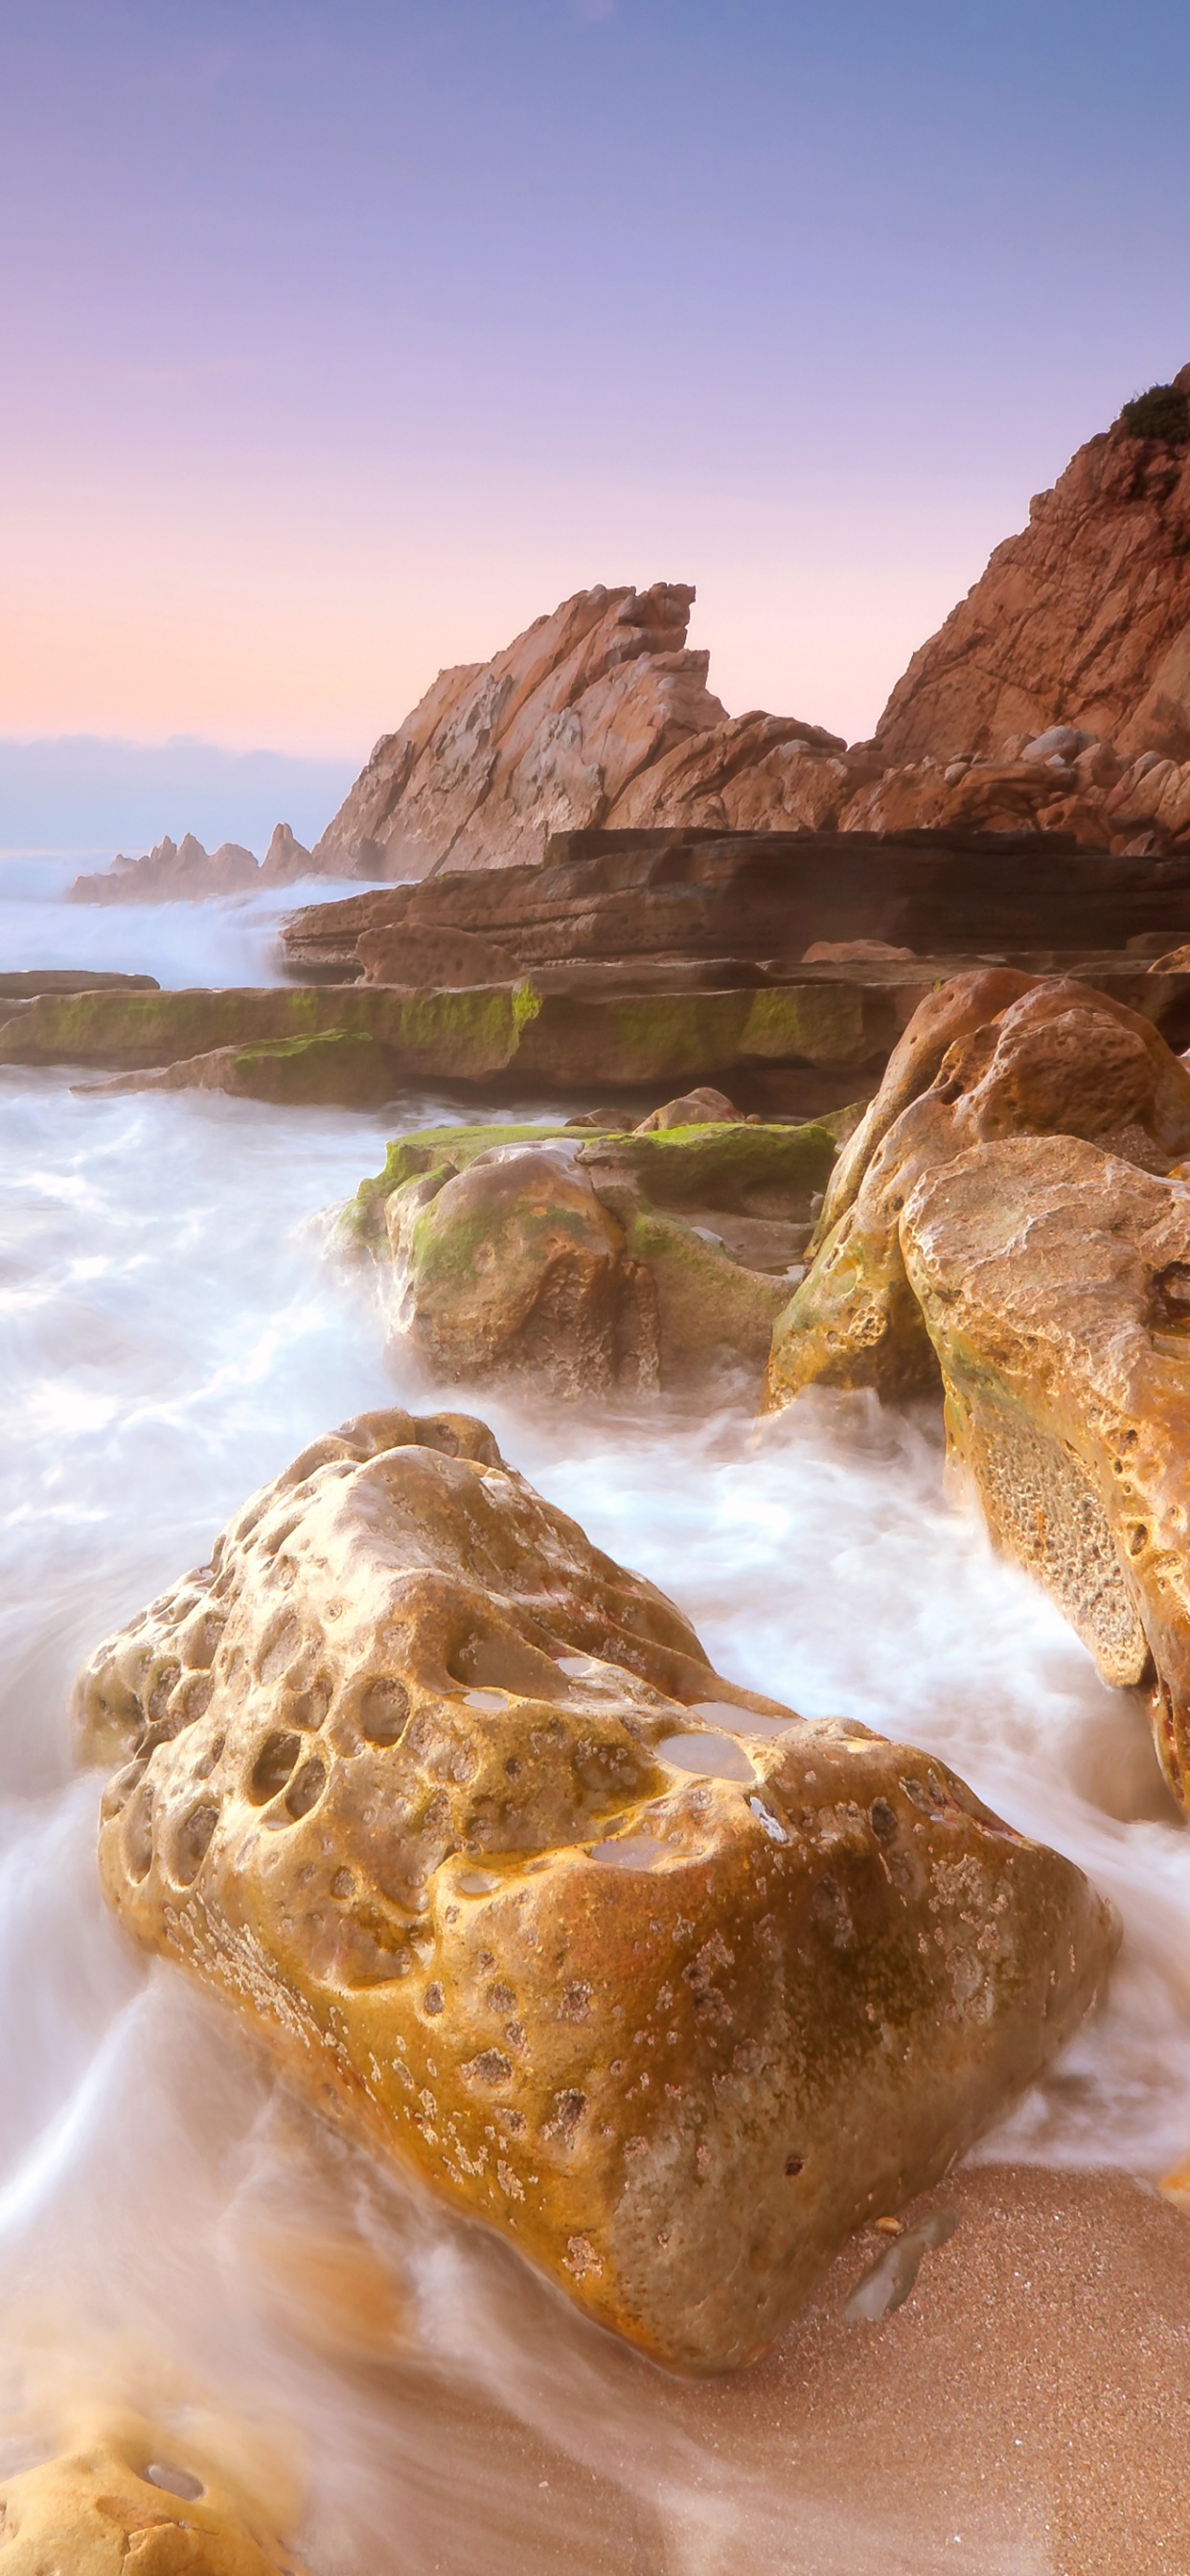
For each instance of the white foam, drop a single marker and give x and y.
(173, 1336)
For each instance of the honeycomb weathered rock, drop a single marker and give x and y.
(667, 1984)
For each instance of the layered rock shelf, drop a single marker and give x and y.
(706, 898)
(791, 1043)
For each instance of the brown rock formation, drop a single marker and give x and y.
(551, 735)
(121, 2501)
(1083, 620)
(1054, 1281)
(990, 1055)
(456, 1814)
(666, 897)
(174, 871)
(656, 1260)
(285, 858)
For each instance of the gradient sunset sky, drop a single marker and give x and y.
(341, 340)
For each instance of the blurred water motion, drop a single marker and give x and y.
(169, 2218)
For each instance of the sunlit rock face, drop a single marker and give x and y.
(1055, 1285)
(988, 1056)
(1081, 621)
(123, 2501)
(551, 735)
(669, 1986)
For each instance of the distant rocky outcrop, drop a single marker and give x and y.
(598, 714)
(1081, 621)
(1055, 698)
(184, 872)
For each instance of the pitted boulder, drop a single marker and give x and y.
(668, 1985)
(1055, 1284)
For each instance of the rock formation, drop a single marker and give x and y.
(549, 736)
(989, 1055)
(1055, 697)
(1011, 1209)
(1054, 1280)
(121, 2500)
(173, 872)
(183, 872)
(1082, 622)
(669, 1986)
(739, 909)
(338, 1069)
(649, 1260)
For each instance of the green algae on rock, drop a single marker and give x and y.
(470, 1034)
(593, 1260)
(672, 1988)
(336, 1069)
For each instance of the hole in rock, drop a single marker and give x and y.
(505, 1663)
(709, 1757)
(631, 1851)
(476, 1882)
(174, 2481)
(742, 1721)
(883, 1819)
(279, 1649)
(309, 1707)
(794, 2165)
(193, 1843)
(273, 1766)
(576, 1667)
(195, 1699)
(166, 1681)
(306, 1788)
(384, 1710)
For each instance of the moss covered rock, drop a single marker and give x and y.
(667, 1985)
(339, 1068)
(594, 1260)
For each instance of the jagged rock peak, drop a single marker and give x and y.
(1083, 619)
(568, 728)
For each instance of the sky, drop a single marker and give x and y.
(340, 338)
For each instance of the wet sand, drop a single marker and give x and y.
(1025, 2413)
(1027, 2409)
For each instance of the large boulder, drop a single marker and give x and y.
(989, 1055)
(122, 2500)
(1054, 1282)
(669, 1986)
(585, 1262)
(1082, 621)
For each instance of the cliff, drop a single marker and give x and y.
(578, 723)
(1082, 620)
